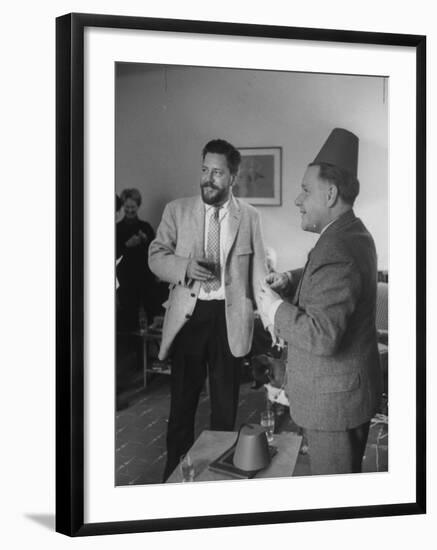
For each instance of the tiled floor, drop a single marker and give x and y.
(141, 424)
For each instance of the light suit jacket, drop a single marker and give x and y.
(333, 362)
(180, 237)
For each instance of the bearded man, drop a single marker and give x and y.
(210, 249)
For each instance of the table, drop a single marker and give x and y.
(211, 444)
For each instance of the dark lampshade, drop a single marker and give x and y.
(252, 450)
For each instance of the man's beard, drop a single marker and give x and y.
(213, 195)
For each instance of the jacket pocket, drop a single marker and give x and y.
(338, 383)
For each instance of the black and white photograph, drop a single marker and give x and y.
(219, 217)
(240, 214)
(252, 274)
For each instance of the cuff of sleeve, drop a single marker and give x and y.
(186, 280)
(181, 272)
(272, 311)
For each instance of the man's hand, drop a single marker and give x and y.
(135, 240)
(266, 298)
(198, 272)
(142, 236)
(278, 281)
(277, 341)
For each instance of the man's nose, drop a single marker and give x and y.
(298, 200)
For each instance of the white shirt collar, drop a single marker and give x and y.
(327, 225)
(332, 221)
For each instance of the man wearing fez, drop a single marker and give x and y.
(210, 249)
(326, 314)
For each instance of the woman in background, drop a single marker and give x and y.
(136, 292)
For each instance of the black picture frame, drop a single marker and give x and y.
(70, 273)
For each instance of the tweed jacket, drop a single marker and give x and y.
(333, 362)
(180, 237)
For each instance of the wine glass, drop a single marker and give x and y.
(209, 264)
(268, 423)
(187, 468)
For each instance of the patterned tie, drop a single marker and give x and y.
(213, 250)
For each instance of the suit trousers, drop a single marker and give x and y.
(337, 452)
(201, 348)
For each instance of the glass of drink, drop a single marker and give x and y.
(268, 423)
(209, 264)
(142, 320)
(187, 468)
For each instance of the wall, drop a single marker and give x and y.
(164, 116)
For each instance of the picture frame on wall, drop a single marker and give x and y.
(90, 49)
(259, 177)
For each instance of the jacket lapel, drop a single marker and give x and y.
(337, 225)
(198, 221)
(233, 225)
(299, 286)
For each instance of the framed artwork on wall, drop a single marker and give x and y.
(259, 178)
(89, 47)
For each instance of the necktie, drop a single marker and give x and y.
(213, 250)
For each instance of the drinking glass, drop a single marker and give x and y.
(268, 423)
(187, 468)
(142, 321)
(210, 265)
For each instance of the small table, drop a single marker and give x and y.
(211, 444)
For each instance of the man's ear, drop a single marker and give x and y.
(235, 176)
(332, 196)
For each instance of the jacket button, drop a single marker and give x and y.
(187, 316)
(193, 295)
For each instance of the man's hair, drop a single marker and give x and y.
(133, 194)
(347, 185)
(222, 147)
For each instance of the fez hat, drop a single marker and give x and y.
(340, 150)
